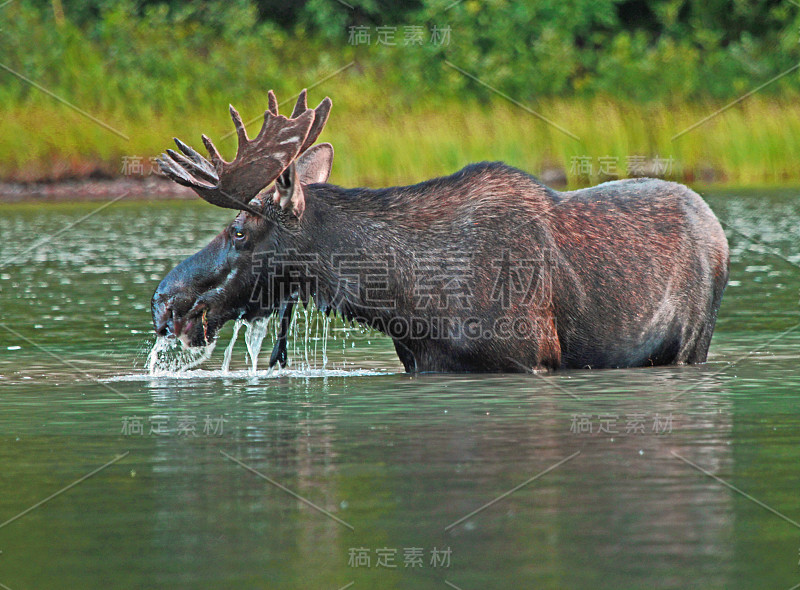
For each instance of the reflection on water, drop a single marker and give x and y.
(189, 372)
(234, 474)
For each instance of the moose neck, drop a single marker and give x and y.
(350, 262)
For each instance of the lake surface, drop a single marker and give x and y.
(353, 474)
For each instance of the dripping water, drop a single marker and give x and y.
(253, 338)
(226, 360)
(168, 357)
(326, 322)
(316, 336)
(306, 336)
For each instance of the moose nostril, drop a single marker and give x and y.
(163, 327)
(162, 320)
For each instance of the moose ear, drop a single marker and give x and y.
(289, 192)
(314, 165)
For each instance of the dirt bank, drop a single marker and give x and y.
(151, 187)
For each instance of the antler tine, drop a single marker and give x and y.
(212, 152)
(178, 174)
(273, 103)
(237, 122)
(320, 118)
(195, 157)
(204, 172)
(301, 106)
(321, 114)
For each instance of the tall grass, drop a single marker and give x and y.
(754, 143)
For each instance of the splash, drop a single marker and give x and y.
(248, 376)
(307, 339)
(168, 356)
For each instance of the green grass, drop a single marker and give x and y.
(756, 142)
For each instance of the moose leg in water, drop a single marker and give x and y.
(279, 350)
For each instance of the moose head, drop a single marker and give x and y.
(267, 183)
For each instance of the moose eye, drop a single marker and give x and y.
(239, 237)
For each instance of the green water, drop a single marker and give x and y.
(380, 459)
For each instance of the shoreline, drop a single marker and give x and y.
(152, 188)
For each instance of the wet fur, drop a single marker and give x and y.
(636, 268)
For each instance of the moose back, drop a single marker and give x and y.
(486, 270)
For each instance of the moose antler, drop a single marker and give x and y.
(258, 161)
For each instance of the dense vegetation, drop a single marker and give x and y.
(422, 93)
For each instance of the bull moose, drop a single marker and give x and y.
(485, 270)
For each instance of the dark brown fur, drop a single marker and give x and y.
(627, 273)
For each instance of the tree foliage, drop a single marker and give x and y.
(642, 50)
